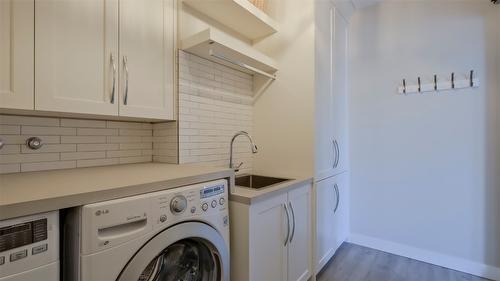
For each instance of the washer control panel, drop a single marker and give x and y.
(176, 204)
(213, 196)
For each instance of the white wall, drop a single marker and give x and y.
(283, 115)
(425, 168)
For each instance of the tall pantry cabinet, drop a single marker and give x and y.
(331, 192)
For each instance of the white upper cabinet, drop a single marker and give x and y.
(105, 57)
(147, 30)
(339, 99)
(16, 54)
(331, 91)
(325, 150)
(76, 53)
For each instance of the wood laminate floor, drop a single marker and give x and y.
(356, 263)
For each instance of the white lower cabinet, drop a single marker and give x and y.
(332, 217)
(299, 253)
(270, 239)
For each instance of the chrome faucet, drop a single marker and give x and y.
(252, 146)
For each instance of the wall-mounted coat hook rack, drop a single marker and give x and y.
(435, 85)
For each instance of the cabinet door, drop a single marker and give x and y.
(340, 92)
(147, 58)
(75, 50)
(16, 53)
(299, 248)
(326, 199)
(269, 228)
(324, 146)
(341, 216)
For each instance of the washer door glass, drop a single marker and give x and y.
(186, 260)
(184, 252)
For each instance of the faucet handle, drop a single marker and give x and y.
(237, 167)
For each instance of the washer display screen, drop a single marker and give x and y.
(212, 191)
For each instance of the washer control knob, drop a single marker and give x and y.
(163, 218)
(204, 207)
(178, 204)
(222, 201)
(214, 204)
(193, 210)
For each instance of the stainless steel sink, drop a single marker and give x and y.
(257, 182)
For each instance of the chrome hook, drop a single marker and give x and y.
(435, 82)
(471, 78)
(453, 80)
(404, 86)
(419, 85)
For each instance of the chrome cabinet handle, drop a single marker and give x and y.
(334, 147)
(337, 154)
(337, 192)
(113, 89)
(125, 66)
(287, 225)
(293, 219)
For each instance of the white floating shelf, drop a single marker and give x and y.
(239, 15)
(223, 49)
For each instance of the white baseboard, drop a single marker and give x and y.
(455, 263)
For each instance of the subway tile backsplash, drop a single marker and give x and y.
(215, 102)
(72, 143)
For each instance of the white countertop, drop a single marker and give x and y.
(248, 195)
(35, 192)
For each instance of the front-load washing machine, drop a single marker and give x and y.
(176, 234)
(29, 248)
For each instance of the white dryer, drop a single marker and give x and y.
(176, 234)
(29, 248)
